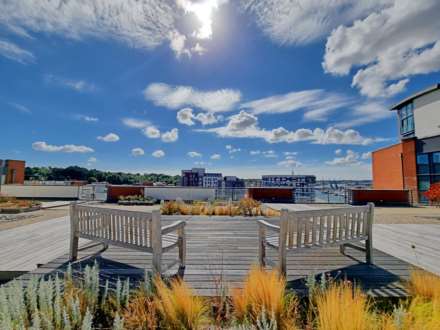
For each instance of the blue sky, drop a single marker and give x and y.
(242, 87)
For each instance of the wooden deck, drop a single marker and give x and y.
(222, 249)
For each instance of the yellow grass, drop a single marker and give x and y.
(342, 307)
(424, 284)
(178, 307)
(140, 313)
(264, 292)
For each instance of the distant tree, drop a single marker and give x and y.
(94, 175)
(433, 194)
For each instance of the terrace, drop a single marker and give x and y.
(220, 251)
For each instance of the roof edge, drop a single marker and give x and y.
(415, 95)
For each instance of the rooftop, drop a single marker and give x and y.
(415, 96)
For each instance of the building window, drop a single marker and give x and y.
(406, 115)
(436, 163)
(422, 164)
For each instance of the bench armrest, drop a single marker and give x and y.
(173, 227)
(268, 226)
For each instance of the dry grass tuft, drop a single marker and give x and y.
(424, 284)
(140, 312)
(343, 307)
(178, 307)
(264, 293)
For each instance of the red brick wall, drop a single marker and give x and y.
(387, 168)
(380, 197)
(271, 194)
(410, 167)
(17, 166)
(113, 192)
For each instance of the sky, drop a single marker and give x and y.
(243, 87)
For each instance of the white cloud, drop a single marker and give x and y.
(110, 137)
(185, 116)
(365, 113)
(158, 154)
(350, 158)
(203, 10)
(67, 148)
(245, 125)
(135, 123)
(15, 53)
(76, 85)
(87, 118)
(254, 152)
(290, 153)
(151, 132)
(338, 152)
(290, 163)
(390, 46)
(174, 97)
(91, 161)
(231, 149)
(177, 44)
(170, 136)
(207, 118)
(139, 24)
(136, 152)
(366, 155)
(194, 154)
(198, 49)
(316, 103)
(20, 107)
(269, 154)
(215, 156)
(304, 21)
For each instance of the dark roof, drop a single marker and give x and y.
(416, 95)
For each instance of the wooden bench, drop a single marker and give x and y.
(129, 229)
(300, 230)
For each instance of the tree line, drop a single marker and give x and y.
(93, 175)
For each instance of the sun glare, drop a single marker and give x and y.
(203, 10)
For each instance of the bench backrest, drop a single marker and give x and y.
(125, 228)
(326, 226)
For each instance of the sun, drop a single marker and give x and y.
(203, 10)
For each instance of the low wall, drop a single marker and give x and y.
(380, 197)
(272, 195)
(114, 191)
(40, 192)
(183, 193)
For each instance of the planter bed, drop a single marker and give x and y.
(15, 210)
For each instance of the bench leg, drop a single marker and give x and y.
(74, 235)
(342, 249)
(282, 261)
(369, 251)
(182, 247)
(261, 247)
(157, 262)
(74, 239)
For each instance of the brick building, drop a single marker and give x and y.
(414, 163)
(12, 171)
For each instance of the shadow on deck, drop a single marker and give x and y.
(221, 251)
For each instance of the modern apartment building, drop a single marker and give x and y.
(12, 171)
(198, 177)
(233, 182)
(414, 163)
(303, 185)
(212, 180)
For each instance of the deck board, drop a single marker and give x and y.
(222, 250)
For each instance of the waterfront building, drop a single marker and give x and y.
(303, 185)
(414, 163)
(12, 171)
